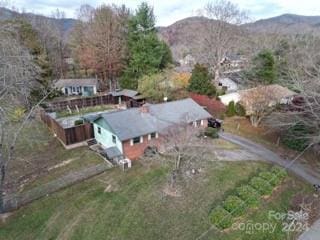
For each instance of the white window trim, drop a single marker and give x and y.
(157, 135)
(131, 142)
(202, 123)
(149, 137)
(141, 139)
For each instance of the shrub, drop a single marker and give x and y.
(281, 173)
(295, 137)
(231, 110)
(211, 132)
(261, 186)
(78, 122)
(221, 218)
(249, 195)
(234, 205)
(240, 110)
(270, 177)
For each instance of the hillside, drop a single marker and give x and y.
(287, 24)
(185, 36)
(65, 24)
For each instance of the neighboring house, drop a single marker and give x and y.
(131, 97)
(83, 87)
(276, 94)
(227, 98)
(233, 61)
(130, 132)
(228, 84)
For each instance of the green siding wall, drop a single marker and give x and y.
(105, 137)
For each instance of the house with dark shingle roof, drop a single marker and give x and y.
(81, 86)
(130, 132)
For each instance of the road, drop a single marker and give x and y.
(291, 165)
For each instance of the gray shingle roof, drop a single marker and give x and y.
(132, 123)
(76, 82)
(112, 152)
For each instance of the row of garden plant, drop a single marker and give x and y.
(246, 196)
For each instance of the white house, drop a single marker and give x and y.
(83, 87)
(230, 85)
(227, 98)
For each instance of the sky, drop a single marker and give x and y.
(170, 11)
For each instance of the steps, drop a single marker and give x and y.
(92, 142)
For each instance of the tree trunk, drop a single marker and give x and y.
(2, 192)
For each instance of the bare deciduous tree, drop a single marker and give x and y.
(303, 76)
(99, 42)
(259, 103)
(17, 76)
(223, 34)
(185, 150)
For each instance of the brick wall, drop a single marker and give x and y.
(137, 150)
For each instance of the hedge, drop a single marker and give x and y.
(270, 177)
(221, 218)
(262, 186)
(234, 205)
(249, 195)
(279, 172)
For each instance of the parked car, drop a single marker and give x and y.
(214, 123)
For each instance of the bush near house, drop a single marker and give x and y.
(249, 195)
(240, 110)
(261, 185)
(231, 110)
(234, 205)
(211, 132)
(221, 218)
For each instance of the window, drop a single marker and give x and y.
(114, 140)
(197, 123)
(136, 140)
(99, 130)
(153, 135)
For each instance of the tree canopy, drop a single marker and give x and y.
(200, 81)
(147, 54)
(264, 68)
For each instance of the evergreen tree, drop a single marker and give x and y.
(264, 69)
(200, 81)
(147, 54)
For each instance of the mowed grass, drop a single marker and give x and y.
(38, 151)
(134, 207)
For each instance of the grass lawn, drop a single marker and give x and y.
(86, 110)
(134, 207)
(38, 151)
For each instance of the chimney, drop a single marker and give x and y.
(144, 108)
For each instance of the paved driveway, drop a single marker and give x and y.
(297, 168)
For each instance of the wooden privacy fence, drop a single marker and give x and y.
(80, 102)
(70, 135)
